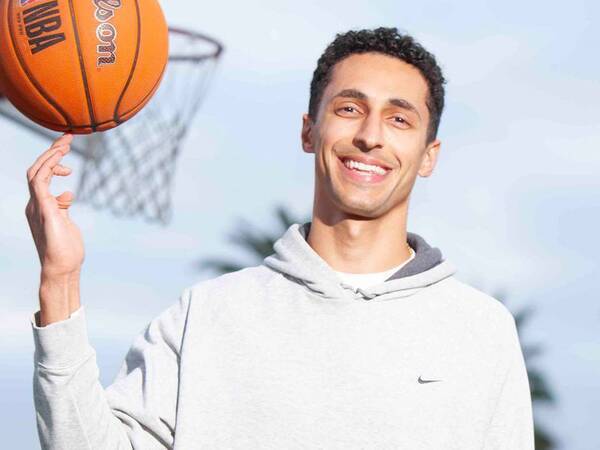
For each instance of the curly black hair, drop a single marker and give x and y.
(389, 42)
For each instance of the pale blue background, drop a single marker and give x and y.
(513, 203)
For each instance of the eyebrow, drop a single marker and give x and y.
(399, 102)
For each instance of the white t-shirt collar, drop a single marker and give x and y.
(365, 280)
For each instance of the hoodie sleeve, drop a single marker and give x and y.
(511, 426)
(74, 411)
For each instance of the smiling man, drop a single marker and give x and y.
(353, 334)
(372, 126)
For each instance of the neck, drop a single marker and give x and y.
(358, 245)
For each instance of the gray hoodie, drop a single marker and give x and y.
(285, 356)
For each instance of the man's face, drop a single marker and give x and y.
(369, 136)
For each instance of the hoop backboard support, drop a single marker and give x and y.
(130, 169)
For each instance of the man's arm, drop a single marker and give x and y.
(138, 410)
(73, 410)
(511, 427)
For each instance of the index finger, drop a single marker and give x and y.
(38, 186)
(65, 139)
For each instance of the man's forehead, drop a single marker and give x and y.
(380, 77)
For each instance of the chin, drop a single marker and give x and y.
(340, 201)
(362, 207)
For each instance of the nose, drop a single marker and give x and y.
(370, 134)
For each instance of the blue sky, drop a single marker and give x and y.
(513, 202)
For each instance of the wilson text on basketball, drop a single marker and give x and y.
(106, 31)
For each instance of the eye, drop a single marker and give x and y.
(348, 110)
(401, 121)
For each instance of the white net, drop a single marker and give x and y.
(129, 170)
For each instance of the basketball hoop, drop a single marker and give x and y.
(129, 170)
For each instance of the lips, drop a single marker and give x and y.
(368, 160)
(362, 172)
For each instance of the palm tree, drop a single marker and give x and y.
(259, 244)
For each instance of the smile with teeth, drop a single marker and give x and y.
(355, 165)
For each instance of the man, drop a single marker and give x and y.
(354, 334)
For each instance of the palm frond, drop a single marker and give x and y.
(543, 440)
(285, 218)
(531, 351)
(540, 392)
(256, 243)
(523, 315)
(218, 265)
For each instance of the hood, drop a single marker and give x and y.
(295, 259)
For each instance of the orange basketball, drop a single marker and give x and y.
(81, 65)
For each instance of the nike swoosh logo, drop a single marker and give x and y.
(426, 381)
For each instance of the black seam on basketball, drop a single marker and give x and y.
(152, 91)
(133, 66)
(29, 75)
(86, 88)
(99, 124)
(149, 94)
(51, 124)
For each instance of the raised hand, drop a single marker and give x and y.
(58, 240)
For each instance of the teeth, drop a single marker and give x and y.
(351, 164)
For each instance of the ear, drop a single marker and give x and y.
(307, 127)
(430, 158)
